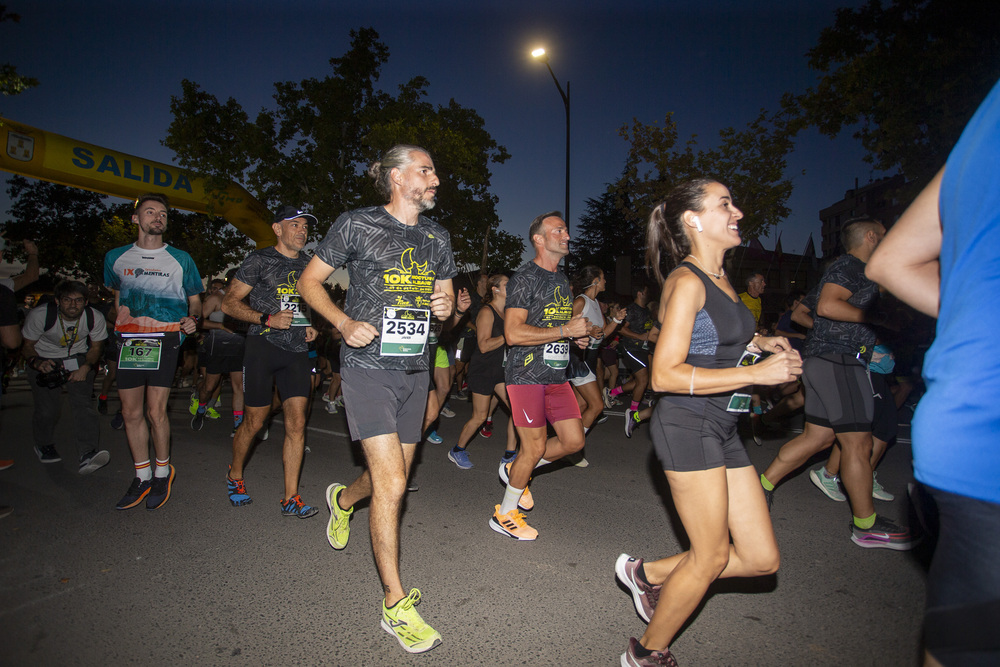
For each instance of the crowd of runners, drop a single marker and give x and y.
(543, 354)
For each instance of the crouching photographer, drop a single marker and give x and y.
(63, 342)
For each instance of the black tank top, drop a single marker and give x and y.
(722, 329)
(494, 358)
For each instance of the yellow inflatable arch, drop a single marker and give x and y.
(36, 153)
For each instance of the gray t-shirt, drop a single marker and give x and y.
(547, 297)
(392, 269)
(835, 337)
(274, 282)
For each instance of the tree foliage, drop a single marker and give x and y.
(75, 228)
(315, 145)
(750, 162)
(12, 83)
(911, 72)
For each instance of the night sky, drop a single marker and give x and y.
(108, 69)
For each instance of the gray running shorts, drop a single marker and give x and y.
(379, 402)
(838, 393)
(686, 441)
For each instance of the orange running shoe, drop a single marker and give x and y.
(512, 524)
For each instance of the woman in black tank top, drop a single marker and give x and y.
(705, 330)
(486, 376)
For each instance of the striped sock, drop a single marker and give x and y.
(143, 471)
(162, 468)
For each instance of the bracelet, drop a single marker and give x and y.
(268, 322)
(691, 388)
(460, 312)
(340, 327)
(616, 320)
(561, 332)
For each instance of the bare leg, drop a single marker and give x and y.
(856, 471)
(159, 424)
(295, 441)
(253, 420)
(797, 451)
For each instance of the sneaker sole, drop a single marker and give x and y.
(814, 478)
(410, 649)
(503, 531)
(887, 497)
(623, 577)
(41, 457)
(100, 460)
(133, 504)
(461, 467)
(329, 526)
(880, 544)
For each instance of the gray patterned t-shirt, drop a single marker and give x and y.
(392, 269)
(832, 336)
(274, 280)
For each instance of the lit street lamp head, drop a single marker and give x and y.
(540, 54)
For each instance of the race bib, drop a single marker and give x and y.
(140, 353)
(404, 332)
(740, 402)
(556, 355)
(293, 302)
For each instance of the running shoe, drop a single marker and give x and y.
(198, 421)
(884, 534)
(487, 429)
(601, 418)
(93, 460)
(645, 596)
(631, 419)
(606, 393)
(102, 405)
(193, 406)
(331, 407)
(828, 485)
(295, 507)
(512, 524)
(6, 463)
(118, 421)
(447, 412)
(265, 433)
(412, 487)
(159, 491)
(404, 623)
(655, 659)
(459, 457)
(137, 491)
(878, 492)
(338, 530)
(527, 501)
(47, 454)
(508, 458)
(577, 459)
(238, 495)
(434, 438)
(212, 413)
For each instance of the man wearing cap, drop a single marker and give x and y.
(265, 293)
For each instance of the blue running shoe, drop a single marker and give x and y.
(434, 438)
(295, 507)
(238, 495)
(459, 457)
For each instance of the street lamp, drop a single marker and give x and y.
(539, 54)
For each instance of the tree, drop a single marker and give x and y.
(911, 72)
(75, 228)
(315, 146)
(12, 83)
(605, 232)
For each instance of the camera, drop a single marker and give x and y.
(53, 379)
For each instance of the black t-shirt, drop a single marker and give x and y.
(392, 269)
(639, 321)
(274, 280)
(547, 297)
(832, 336)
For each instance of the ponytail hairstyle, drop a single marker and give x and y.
(665, 230)
(397, 157)
(491, 284)
(585, 278)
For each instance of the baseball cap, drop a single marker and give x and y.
(292, 212)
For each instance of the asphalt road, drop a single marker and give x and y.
(199, 582)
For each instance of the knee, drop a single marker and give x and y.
(764, 563)
(710, 565)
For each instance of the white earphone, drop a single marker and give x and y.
(697, 224)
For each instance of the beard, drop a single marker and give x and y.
(422, 204)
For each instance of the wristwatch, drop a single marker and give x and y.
(263, 319)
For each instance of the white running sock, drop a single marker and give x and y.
(162, 468)
(510, 498)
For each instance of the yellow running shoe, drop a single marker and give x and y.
(338, 530)
(404, 623)
(512, 524)
(526, 501)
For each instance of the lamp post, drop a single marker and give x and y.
(539, 54)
